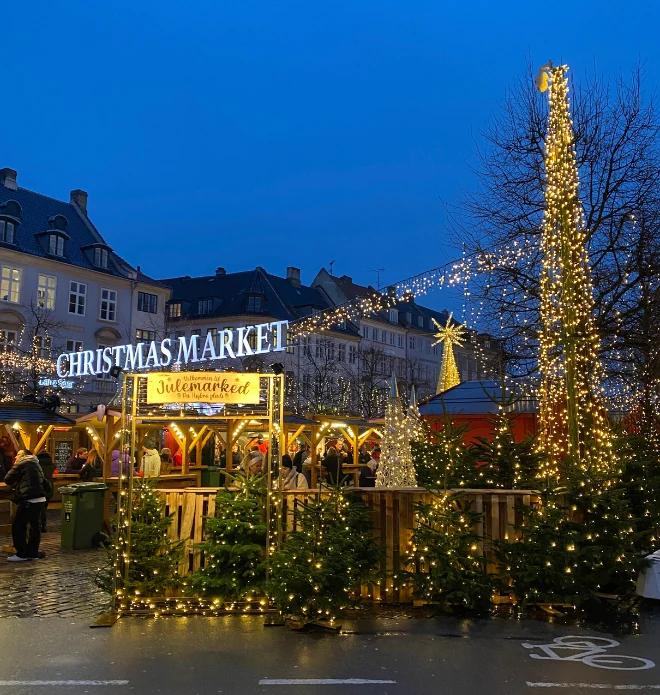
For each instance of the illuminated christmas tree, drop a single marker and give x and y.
(450, 334)
(573, 429)
(396, 468)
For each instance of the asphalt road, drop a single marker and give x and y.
(239, 655)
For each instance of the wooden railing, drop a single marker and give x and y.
(393, 518)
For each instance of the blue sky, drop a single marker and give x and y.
(283, 133)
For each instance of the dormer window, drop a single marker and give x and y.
(394, 316)
(56, 245)
(254, 303)
(7, 231)
(100, 257)
(420, 321)
(204, 306)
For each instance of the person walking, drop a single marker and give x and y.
(48, 467)
(29, 488)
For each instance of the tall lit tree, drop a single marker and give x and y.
(573, 433)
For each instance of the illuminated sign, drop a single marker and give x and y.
(228, 343)
(202, 387)
(51, 382)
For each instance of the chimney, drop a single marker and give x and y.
(293, 276)
(79, 198)
(8, 178)
(220, 271)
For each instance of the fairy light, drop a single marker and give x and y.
(573, 430)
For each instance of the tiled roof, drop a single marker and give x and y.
(39, 214)
(474, 398)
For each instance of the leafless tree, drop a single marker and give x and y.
(616, 141)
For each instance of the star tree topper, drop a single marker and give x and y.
(450, 334)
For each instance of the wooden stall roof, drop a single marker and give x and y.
(31, 413)
(351, 421)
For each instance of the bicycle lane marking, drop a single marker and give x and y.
(591, 651)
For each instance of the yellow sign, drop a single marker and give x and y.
(202, 387)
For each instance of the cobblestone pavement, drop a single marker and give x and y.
(62, 584)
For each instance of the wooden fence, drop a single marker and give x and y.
(393, 517)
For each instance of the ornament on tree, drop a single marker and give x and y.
(396, 468)
(574, 436)
(450, 334)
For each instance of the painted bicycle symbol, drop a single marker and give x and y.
(592, 651)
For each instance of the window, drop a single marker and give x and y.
(41, 346)
(77, 296)
(204, 306)
(254, 303)
(7, 341)
(290, 344)
(144, 336)
(100, 257)
(74, 345)
(365, 331)
(374, 334)
(306, 343)
(7, 230)
(420, 321)
(46, 291)
(399, 340)
(174, 310)
(56, 244)
(147, 302)
(352, 354)
(331, 350)
(391, 338)
(10, 284)
(108, 310)
(306, 385)
(411, 342)
(341, 352)
(383, 336)
(393, 316)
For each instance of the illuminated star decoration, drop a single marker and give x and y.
(450, 334)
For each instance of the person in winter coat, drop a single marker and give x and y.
(77, 461)
(166, 460)
(48, 467)
(332, 465)
(29, 488)
(290, 478)
(150, 465)
(92, 467)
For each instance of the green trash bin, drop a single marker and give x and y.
(211, 476)
(82, 514)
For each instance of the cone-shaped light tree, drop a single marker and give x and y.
(450, 334)
(573, 430)
(396, 468)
